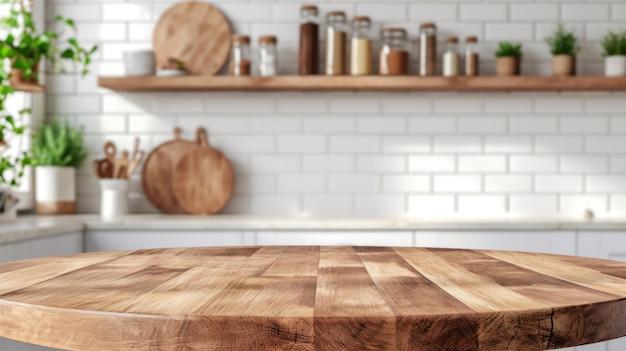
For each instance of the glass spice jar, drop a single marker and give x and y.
(428, 49)
(336, 43)
(451, 58)
(240, 62)
(361, 46)
(394, 53)
(268, 62)
(308, 61)
(472, 60)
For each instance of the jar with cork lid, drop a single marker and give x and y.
(336, 43)
(394, 53)
(268, 62)
(451, 58)
(361, 46)
(472, 59)
(308, 61)
(428, 49)
(240, 56)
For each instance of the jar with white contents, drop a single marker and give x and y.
(361, 47)
(268, 62)
(451, 58)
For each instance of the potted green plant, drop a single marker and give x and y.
(57, 152)
(614, 45)
(509, 57)
(564, 47)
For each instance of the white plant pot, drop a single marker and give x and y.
(615, 66)
(114, 197)
(55, 190)
(139, 63)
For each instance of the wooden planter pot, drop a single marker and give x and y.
(563, 65)
(508, 66)
(55, 190)
(17, 76)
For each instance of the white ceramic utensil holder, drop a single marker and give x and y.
(615, 66)
(139, 63)
(114, 197)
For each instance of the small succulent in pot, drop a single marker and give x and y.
(564, 48)
(509, 57)
(614, 45)
(57, 151)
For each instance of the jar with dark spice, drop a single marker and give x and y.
(240, 62)
(308, 62)
(428, 49)
(394, 53)
(472, 60)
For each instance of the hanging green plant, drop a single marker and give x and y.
(22, 48)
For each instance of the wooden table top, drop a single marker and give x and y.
(312, 298)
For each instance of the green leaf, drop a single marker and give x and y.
(73, 42)
(70, 23)
(68, 54)
(21, 63)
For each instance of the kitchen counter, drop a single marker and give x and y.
(32, 227)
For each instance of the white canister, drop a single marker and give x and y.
(114, 197)
(139, 63)
(615, 66)
(55, 190)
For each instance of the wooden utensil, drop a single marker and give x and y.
(138, 156)
(194, 33)
(103, 169)
(204, 179)
(121, 166)
(110, 151)
(158, 171)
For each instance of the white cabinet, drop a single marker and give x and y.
(335, 238)
(544, 242)
(65, 244)
(135, 240)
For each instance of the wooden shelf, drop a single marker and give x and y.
(29, 87)
(370, 83)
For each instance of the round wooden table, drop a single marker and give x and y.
(312, 298)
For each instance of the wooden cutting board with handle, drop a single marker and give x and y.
(158, 171)
(194, 33)
(204, 179)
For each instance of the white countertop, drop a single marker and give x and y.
(31, 227)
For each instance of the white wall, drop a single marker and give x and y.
(422, 154)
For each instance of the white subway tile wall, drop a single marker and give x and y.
(373, 154)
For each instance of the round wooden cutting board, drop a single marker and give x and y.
(195, 33)
(158, 171)
(204, 179)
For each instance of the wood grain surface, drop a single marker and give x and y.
(195, 33)
(366, 83)
(158, 172)
(204, 179)
(312, 298)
